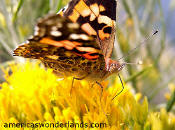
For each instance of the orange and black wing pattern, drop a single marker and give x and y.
(63, 46)
(97, 18)
(55, 32)
(76, 41)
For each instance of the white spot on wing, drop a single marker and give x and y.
(74, 36)
(79, 36)
(36, 32)
(56, 33)
(73, 25)
(39, 31)
(104, 19)
(84, 37)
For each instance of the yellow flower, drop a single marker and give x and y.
(172, 89)
(162, 120)
(37, 98)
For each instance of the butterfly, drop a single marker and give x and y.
(78, 41)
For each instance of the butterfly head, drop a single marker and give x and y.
(113, 66)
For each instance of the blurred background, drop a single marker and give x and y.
(136, 20)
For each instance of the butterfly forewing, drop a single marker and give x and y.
(78, 41)
(97, 18)
(56, 31)
(62, 45)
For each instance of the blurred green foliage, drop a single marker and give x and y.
(136, 19)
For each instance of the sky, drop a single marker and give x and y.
(169, 20)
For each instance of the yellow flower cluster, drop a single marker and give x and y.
(33, 97)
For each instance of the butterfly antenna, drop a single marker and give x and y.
(137, 63)
(142, 43)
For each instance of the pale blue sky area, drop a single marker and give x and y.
(169, 19)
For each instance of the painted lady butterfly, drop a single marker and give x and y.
(78, 41)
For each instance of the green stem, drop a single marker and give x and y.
(59, 5)
(171, 102)
(134, 76)
(17, 10)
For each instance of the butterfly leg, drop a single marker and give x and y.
(121, 90)
(74, 78)
(101, 88)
